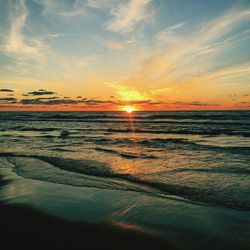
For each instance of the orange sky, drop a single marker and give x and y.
(104, 55)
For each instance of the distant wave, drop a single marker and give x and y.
(22, 128)
(159, 130)
(190, 132)
(38, 129)
(199, 116)
(206, 116)
(156, 143)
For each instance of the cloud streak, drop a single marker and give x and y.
(8, 100)
(125, 16)
(16, 43)
(178, 60)
(41, 92)
(6, 90)
(63, 9)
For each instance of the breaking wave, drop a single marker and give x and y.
(75, 171)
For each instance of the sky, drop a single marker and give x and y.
(111, 54)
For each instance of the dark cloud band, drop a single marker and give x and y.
(6, 90)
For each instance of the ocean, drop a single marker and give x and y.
(200, 156)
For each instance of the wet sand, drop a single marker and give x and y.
(27, 228)
(41, 215)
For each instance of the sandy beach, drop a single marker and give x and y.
(56, 216)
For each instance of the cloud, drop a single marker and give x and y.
(119, 45)
(168, 35)
(40, 101)
(56, 35)
(195, 103)
(8, 100)
(100, 3)
(31, 51)
(48, 98)
(24, 50)
(6, 90)
(41, 92)
(93, 102)
(127, 15)
(16, 43)
(63, 101)
(96, 103)
(62, 8)
(145, 102)
(181, 62)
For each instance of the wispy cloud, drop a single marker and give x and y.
(56, 35)
(100, 3)
(127, 15)
(165, 35)
(183, 59)
(16, 43)
(119, 45)
(62, 8)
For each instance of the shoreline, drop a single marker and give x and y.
(29, 227)
(49, 211)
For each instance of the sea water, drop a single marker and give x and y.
(202, 156)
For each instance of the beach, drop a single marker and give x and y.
(156, 180)
(40, 215)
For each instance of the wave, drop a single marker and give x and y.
(22, 128)
(183, 132)
(39, 129)
(127, 155)
(146, 142)
(70, 173)
(159, 142)
(62, 150)
(208, 116)
(42, 169)
(228, 170)
(152, 143)
(200, 117)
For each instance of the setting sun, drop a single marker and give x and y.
(129, 109)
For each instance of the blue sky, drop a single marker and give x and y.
(156, 54)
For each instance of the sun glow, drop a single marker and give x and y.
(129, 109)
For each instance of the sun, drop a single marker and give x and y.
(129, 109)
